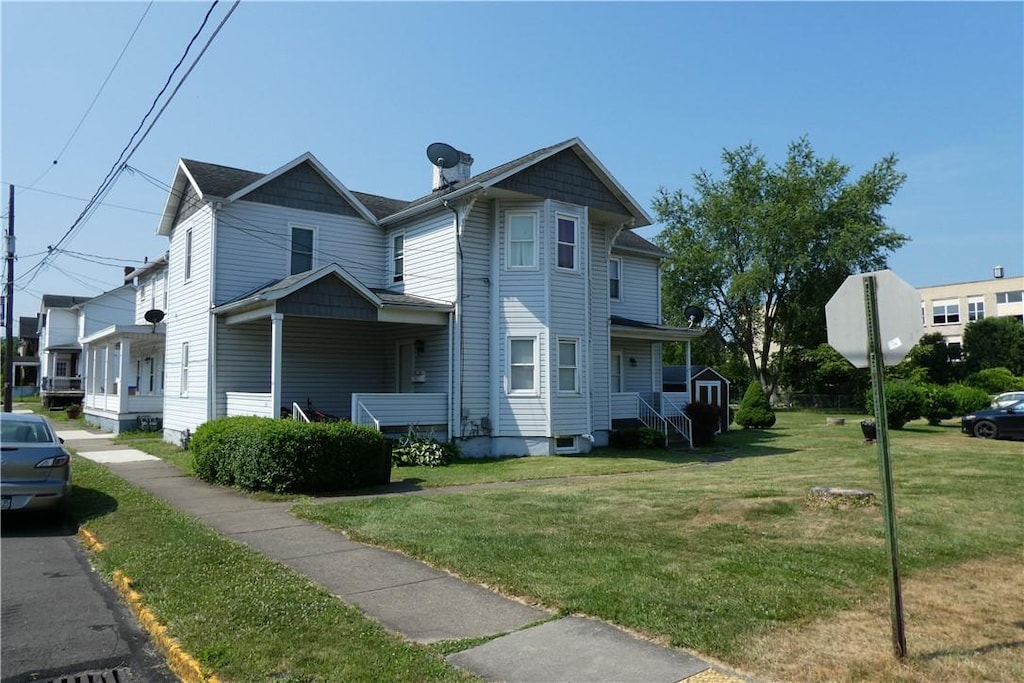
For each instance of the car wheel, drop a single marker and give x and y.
(985, 429)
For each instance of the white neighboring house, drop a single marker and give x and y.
(122, 354)
(514, 311)
(60, 379)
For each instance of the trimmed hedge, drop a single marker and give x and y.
(705, 420)
(629, 438)
(286, 456)
(755, 412)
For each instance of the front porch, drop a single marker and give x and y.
(123, 376)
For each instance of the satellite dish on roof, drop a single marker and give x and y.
(443, 155)
(693, 314)
(154, 315)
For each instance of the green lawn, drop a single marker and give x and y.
(709, 555)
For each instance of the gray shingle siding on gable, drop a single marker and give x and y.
(328, 298)
(188, 205)
(302, 188)
(566, 178)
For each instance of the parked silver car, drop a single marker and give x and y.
(35, 469)
(1006, 399)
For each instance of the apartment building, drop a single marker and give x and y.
(947, 309)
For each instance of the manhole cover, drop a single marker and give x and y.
(105, 676)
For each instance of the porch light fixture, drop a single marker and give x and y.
(632, 362)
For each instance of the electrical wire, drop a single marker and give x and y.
(125, 155)
(94, 99)
(80, 199)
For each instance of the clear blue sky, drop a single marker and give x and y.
(656, 90)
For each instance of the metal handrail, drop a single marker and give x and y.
(651, 418)
(298, 414)
(684, 425)
(361, 409)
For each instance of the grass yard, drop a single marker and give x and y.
(733, 561)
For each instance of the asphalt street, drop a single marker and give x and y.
(58, 619)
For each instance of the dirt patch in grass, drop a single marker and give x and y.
(963, 623)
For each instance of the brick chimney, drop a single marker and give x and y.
(460, 173)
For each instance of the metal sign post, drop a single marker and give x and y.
(899, 636)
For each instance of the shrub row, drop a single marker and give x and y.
(285, 456)
(906, 401)
(636, 437)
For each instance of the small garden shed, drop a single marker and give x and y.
(706, 385)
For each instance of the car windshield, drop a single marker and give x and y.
(19, 432)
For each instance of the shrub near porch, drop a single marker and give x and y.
(285, 456)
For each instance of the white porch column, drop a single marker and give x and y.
(83, 372)
(106, 374)
(122, 375)
(276, 344)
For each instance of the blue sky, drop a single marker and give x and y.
(655, 90)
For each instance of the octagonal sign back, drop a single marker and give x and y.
(899, 318)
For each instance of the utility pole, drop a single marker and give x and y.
(9, 311)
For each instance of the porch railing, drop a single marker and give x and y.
(650, 417)
(361, 415)
(677, 418)
(400, 410)
(298, 413)
(62, 384)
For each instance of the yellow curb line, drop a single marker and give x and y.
(184, 666)
(711, 676)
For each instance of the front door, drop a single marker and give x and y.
(406, 367)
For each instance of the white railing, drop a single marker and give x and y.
(361, 415)
(298, 414)
(62, 384)
(650, 417)
(244, 403)
(677, 418)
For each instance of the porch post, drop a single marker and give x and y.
(689, 375)
(277, 340)
(106, 375)
(84, 372)
(122, 377)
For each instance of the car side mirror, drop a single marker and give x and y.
(61, 439)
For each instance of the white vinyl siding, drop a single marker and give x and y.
(476, 319)
(302, 250)
(638, 295)
(429, 259)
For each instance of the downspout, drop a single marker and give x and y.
(495, 324)
(451, 375)
(211, 351)
(587, 311)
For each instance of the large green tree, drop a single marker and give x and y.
(763, 248)
(994, 343)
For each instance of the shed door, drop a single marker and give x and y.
(709, 392)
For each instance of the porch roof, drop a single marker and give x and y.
(130, 332)
(283, 296)
(624, 328)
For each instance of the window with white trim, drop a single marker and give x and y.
(398, 257)
(183, 390)
(975, 308)
(946, 312)
(567, 239)
(616, 373)
(522, 365)
(301, 252)
(565, 444)
(1014, 297)
(615, 279)
(188, 254)
(568, 366)
(521, 249)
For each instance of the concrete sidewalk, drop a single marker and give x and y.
(405, 595)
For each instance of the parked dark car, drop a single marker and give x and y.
(1006, 422)
(35, 470)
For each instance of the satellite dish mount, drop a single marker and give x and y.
(443, 156)
(154, 316)
(694, 315)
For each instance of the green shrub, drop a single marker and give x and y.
(904, 401)
(755, 412)
(967, 399)
(705, 420)
(937, 404)
(629, 438)
(415, 449)
(286, 456)
(995, 380)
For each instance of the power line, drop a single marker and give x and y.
(80, 199)
(125, 155)
(96, 97)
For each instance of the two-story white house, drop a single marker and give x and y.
(123, 351)
(514, 311)
(60, 379)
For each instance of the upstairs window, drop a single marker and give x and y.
(615, 279)
(946, 312)
(1009, 297)
(398, 257)
(568, 236)
(188, 254)
(301, 249)
(522, 366)
(522, 241)
(975, 309)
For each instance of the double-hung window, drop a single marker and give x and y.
(398, 257)
(522, 241)
(615, 279)
(945, 312)
(522, 365)
(568, 366)
(975, 308)
(302, 249)
(568, 237)
(184, 369)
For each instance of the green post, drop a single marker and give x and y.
(899, 636)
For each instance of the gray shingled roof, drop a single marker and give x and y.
(62, 300)
(628, 239)
(217, 180)
(380, 206)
